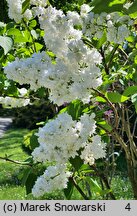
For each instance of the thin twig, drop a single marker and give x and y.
(134, 127)
(16, 162)
(78, 188)
(103, 177)
(130, 137)
(112, 106)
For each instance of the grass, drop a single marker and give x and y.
(10, 187)
(122, 188)
(11, 145)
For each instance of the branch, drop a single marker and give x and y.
(112, 106)
(134, 127)
(130, 137)
(16, 162)
(79, 189)
(103, 177)
(117, 137)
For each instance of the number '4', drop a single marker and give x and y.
(128, 207)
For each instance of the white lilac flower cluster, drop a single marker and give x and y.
(71, 77)
(115, 25)
(14, 102)
(19, 101)
(29, 71)
(39, 3)
(56, 23)
(60, 26)
(75, 72)
(61, 139)
(54, 177)
(15, 10)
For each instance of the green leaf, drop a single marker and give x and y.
(101, 41)
(38, 46)
(32, 24)
(20, 36)
(105, 125)
(74, 109)
(41, 92)
(130, 91)
(6, 43)
(130, 39)
(85, 167)
(25, 6)
(2, 28)
(100, 99)
(69, 190)
(30, 182)
(63, 110)
(25, 174)
(107, 5)
(11, 89)
(31, 140)
(93, 185)
(34, 141)
(23, 51)
(133, 15)
(115, 97)
(77, 162)
(105, 192)
(14, 31)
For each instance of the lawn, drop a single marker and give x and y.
(11, 145)
(10, 185)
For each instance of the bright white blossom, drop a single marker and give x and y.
(85, 10)
(41, 3)
(61, 139)
(93, 150)
(74, 17)
(29, 71)
(15, 10)
(72, 75)
(14, 102)
(56, 23)
(75, 70)
(22, 92)
(128, 5)
(115, 26)
(28, 14)
(118, 34)
(68, 79)
(54, 178)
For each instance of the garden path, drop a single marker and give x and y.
(4, 124)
